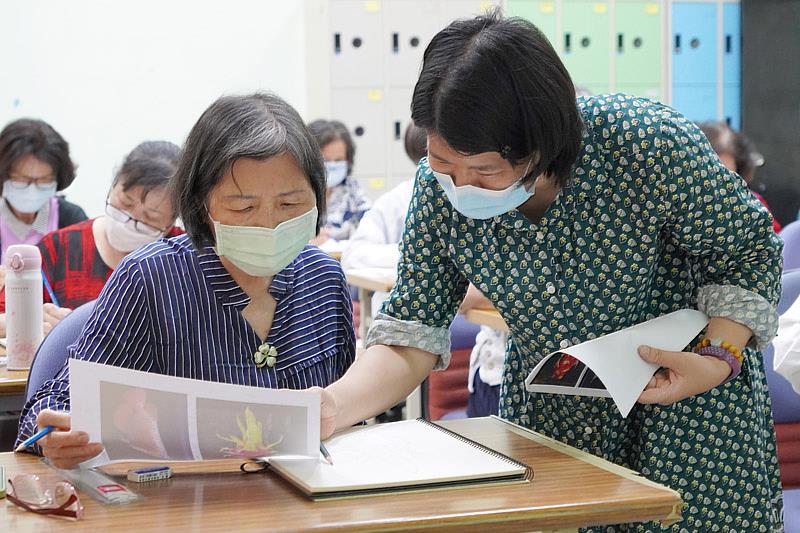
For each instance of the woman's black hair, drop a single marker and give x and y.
(327, 131)
(37, 138)
(257, 126)
(493, 84)
(150, 166)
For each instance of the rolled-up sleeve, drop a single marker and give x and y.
(429, 288)
(714, 218)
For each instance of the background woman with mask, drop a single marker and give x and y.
(577, 220)
(242, 298)
(78, 260)
(346, 202)
(34, 164)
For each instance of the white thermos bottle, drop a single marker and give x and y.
(23, 304)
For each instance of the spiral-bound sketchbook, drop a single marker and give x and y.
(407, 455)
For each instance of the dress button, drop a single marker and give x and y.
(565, 344)
(587, 430)
(551, 288)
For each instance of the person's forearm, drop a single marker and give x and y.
(380, 378)
(729, 331)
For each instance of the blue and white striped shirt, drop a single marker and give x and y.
(173, 310)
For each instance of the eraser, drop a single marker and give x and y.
(154, 473)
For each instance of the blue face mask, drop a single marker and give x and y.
(28, 198)
(335, 172)
(478, 203)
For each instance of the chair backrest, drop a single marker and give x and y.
(785, 401)
(52, 353)
(791, 246)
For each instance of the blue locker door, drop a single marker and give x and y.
(732, 65)
(694, 43)
(731, 44)
(696, 102)
(732, 105)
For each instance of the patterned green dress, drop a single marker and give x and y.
(650, 222)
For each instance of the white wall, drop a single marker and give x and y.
(110, 74)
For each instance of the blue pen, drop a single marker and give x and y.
(31, 440)
(50, 290)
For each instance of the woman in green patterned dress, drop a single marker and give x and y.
(577, 221)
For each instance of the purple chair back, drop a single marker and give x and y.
(785, 401)
(52, 353)
(791, 246)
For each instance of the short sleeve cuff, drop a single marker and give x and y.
(390, 331)
(742, 306)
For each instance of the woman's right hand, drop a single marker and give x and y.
(65, 448)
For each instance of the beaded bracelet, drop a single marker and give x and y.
(719, 343)
(724, 355)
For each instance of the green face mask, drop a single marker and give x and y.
(264, 252)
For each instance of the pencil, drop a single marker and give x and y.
(31, 440)
(50, 292)
(325, 453)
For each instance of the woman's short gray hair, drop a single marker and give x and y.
(257, 126)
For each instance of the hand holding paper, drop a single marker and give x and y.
(610, 366)
(66, 448)
(682, 375)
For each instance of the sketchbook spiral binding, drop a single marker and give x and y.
(485, 449)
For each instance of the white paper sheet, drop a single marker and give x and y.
(614, 358)
(153, 417)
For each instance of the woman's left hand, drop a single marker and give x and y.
(683, 374)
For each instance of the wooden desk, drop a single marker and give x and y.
(486, 317)
(369, 281)
(12, 381)
(12, 389)
(570, 489)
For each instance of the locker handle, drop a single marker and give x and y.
(728, 44)
(567, 42)
(396, 130)
(337, 43)
(619, 42)
(677, 43)
(395, 42)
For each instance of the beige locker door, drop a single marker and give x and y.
(356, 42)
(398, 105)
(363, 111)
(408, 26)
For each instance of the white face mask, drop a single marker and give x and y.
(263, 252)
(124, 236)
(30, 198)
(335, 172)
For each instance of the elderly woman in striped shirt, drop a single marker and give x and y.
(250, 189)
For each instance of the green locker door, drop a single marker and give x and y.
(542, 14)
(585, 45)
(637, 41)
